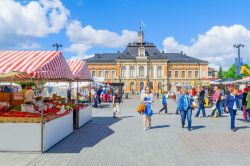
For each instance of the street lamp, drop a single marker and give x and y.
(57, 45)
(238, 47)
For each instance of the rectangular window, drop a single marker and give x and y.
(183, 74)
(196, 74)
(93, 74)
(176, 74)
(113, 74)
(170, 74)
(106, 74)
(99, 73)
(189, 74)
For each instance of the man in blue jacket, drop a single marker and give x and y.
(185, 107)
(232, 104)
(164, 103)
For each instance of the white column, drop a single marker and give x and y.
(127, 71)
(137, 70)
(155, 71)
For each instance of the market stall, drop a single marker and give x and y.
(82, 111)
(35, 126)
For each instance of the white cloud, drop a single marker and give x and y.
(28, 45)
(22, 21)
(216, 45)
(84, 38)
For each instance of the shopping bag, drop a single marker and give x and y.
(141, 107)
(216, 114)
(213, 107)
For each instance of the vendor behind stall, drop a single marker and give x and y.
(29, 95)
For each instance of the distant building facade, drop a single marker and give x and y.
(142, 64)
(212, 73)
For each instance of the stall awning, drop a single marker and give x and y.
(38, 64)
(243, 80)
(80, 70)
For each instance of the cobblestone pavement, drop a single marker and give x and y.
(113, 142)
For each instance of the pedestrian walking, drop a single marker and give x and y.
(232, 104)
(248, 104)
(244, 104)
(117, 99)
(185, 106)
(201, 102)
(217, 102)
(164, 103)
(177, 97)
(148, 100)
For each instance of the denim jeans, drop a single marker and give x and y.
(165, 107)
(186, 114)
(218, 107)
(232, 114)
(201, 107)
(248, 110)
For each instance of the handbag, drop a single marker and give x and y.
(141, 107)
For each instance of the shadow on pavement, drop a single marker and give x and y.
(105, 106)
(123, 117)
(197, 127)
(241, 127)
(241, 120)
(159, 127)
(87, 136)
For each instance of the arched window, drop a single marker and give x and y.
(151, 72)
(159, 85)
(123, 71)
(132, 86)
(141, 86)
(159, 72)
(151, 85)
(132, 71)
(124, 86)
(141, 71)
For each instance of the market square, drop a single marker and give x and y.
(91, 82)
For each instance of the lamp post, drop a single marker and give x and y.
(57, 45)
(238, 47)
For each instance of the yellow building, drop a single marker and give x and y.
(142, 64)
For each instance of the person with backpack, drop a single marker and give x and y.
(164, 103)
(117, 99)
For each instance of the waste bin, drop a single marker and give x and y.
(126, 95)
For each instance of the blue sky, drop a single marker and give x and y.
(178, 22)
(183, 19)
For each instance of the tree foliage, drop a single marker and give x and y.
(231, 72)
(220, 73)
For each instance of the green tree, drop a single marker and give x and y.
(231, 72)
(220, 73)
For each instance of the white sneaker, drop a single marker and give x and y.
(144, 129)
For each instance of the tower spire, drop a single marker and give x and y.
(141, 34)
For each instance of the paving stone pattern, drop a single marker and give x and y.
(106, 141)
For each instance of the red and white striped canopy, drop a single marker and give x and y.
(38, 64)
(80, 70)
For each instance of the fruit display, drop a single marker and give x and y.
(14, 116)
